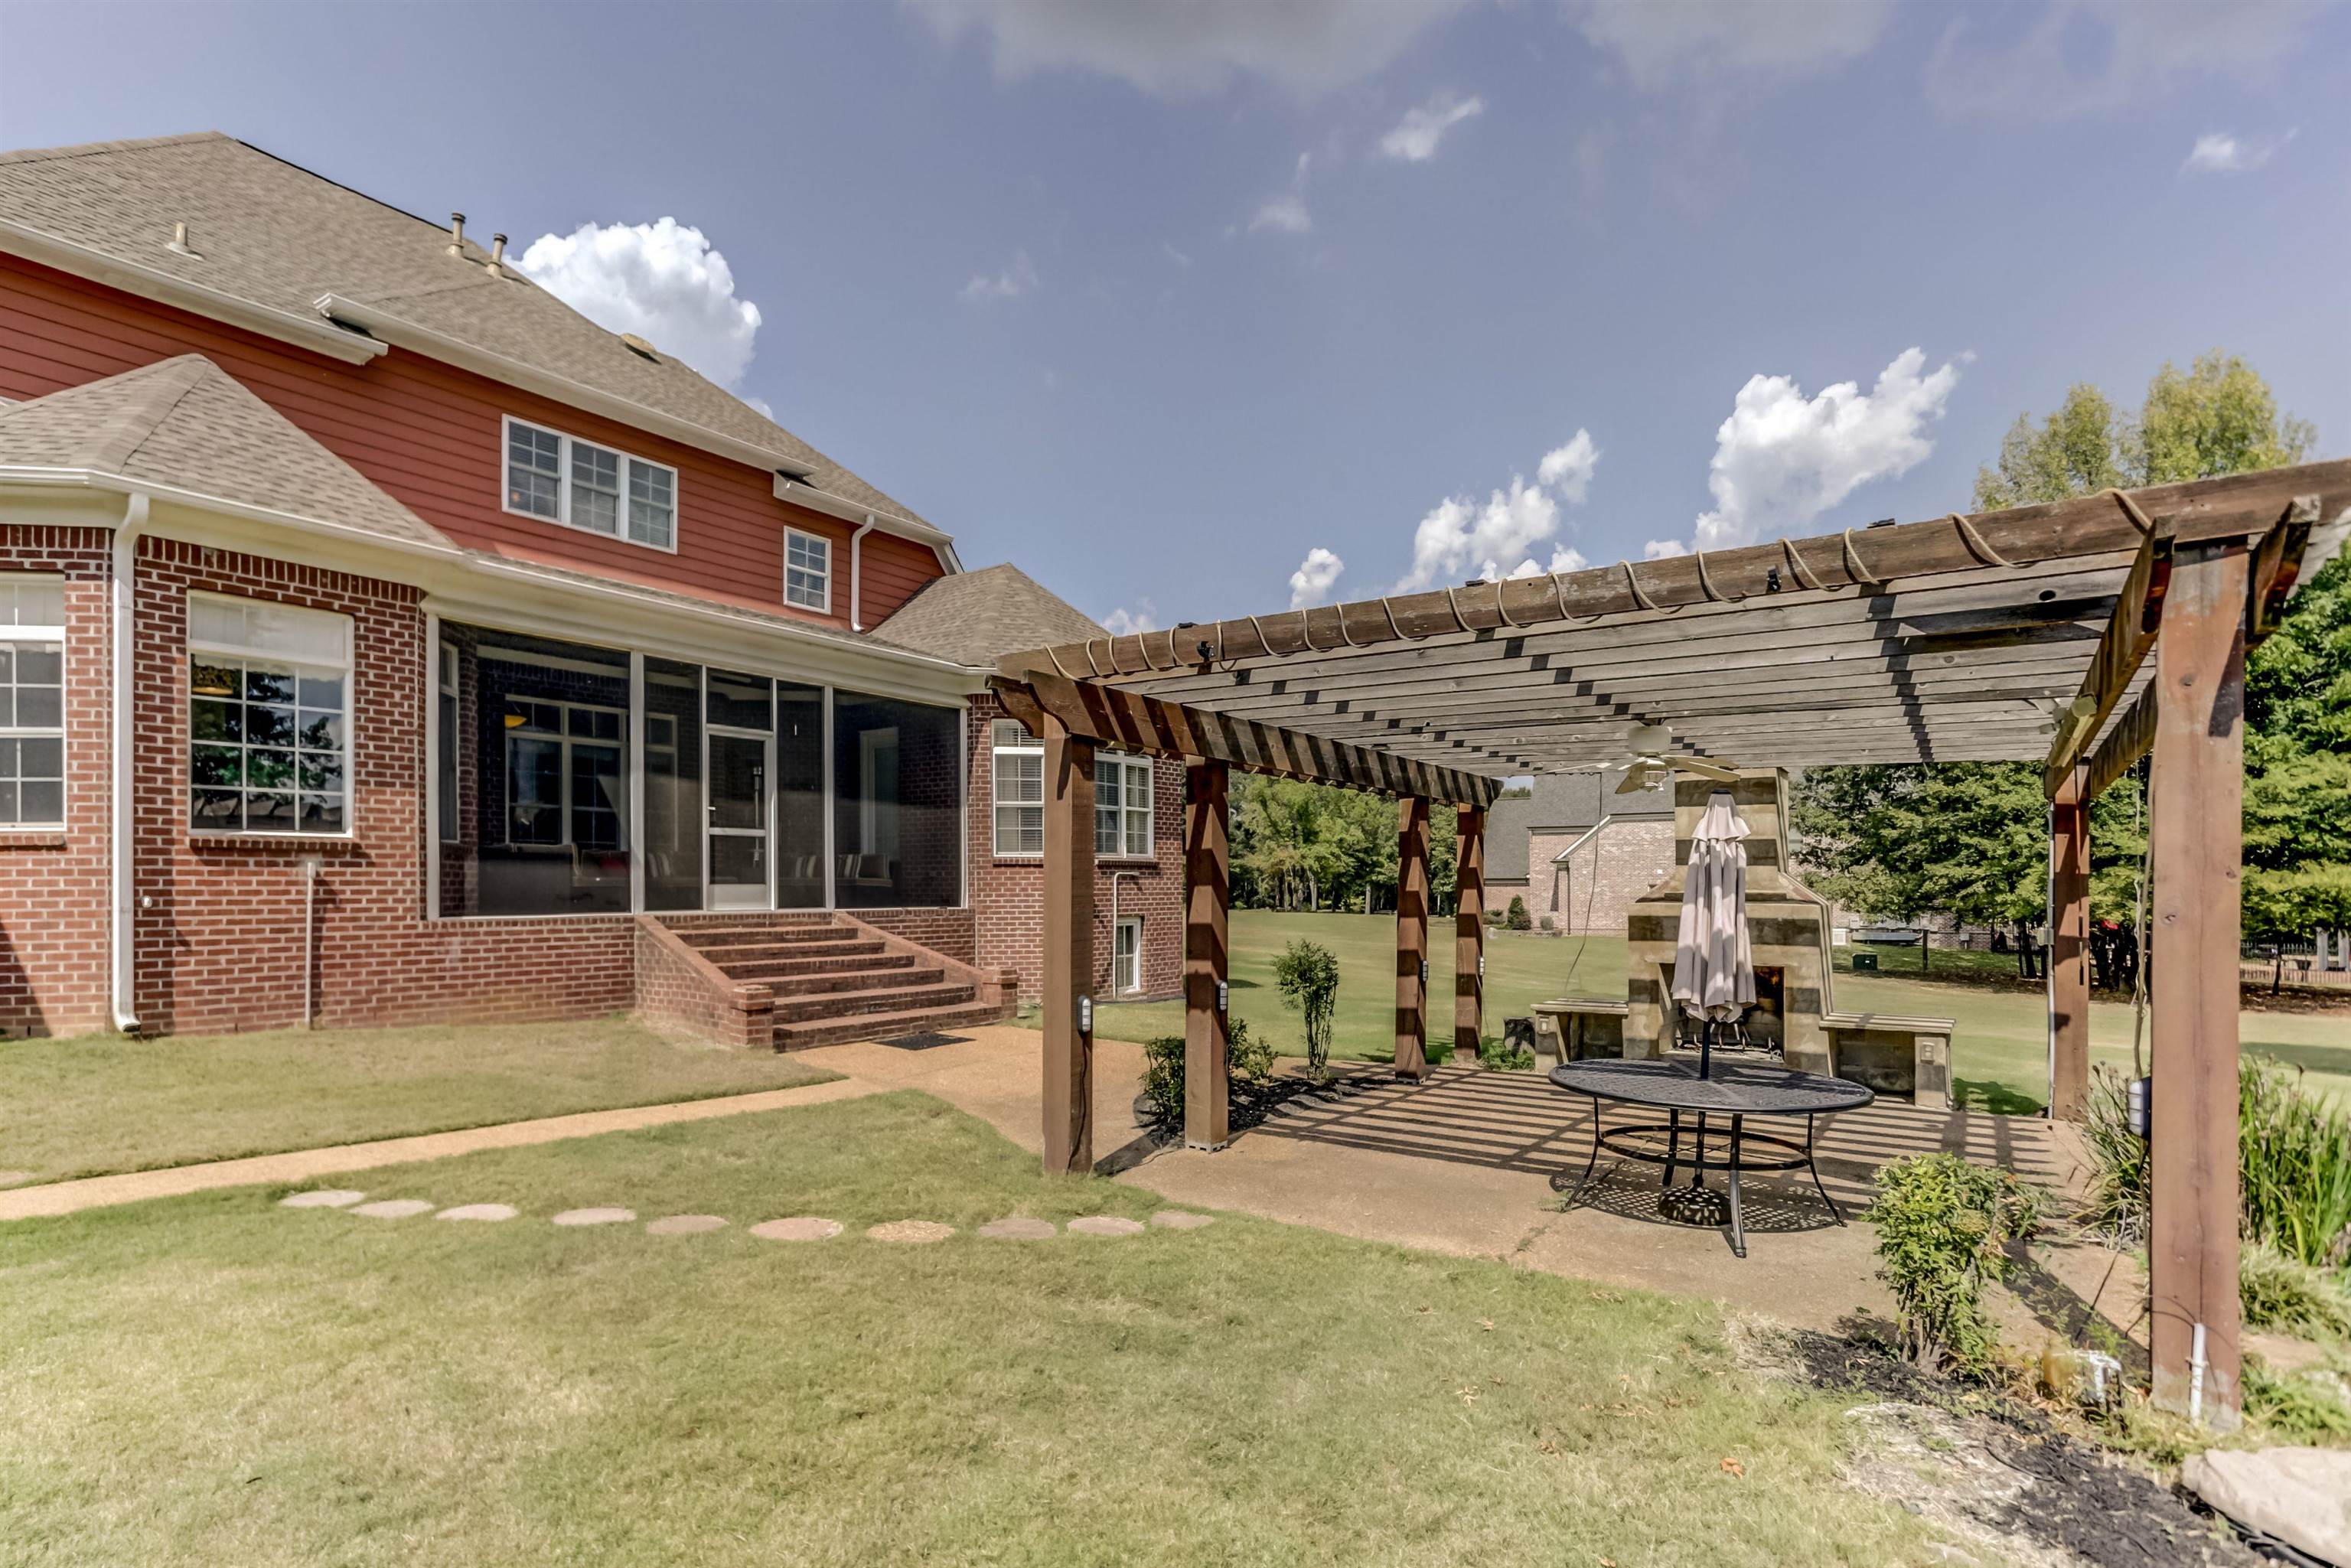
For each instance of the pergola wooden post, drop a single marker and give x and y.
(2069, 949)
(1412, 937)
(1469, 938)
(2196, 832)
(1207, 883)
(1069, 959)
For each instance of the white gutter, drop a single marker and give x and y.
(168, 289)
(856, 571)
(801, 493)
(121, 947)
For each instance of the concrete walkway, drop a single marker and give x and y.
(310, 1165)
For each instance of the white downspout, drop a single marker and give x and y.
(123, 949)
(857, 572)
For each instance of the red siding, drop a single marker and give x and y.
(431, 435)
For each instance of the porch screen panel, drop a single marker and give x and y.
(897, 803)
(674, 797)
(799, 796)
(542, 776)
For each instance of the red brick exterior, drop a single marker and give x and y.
(1008, 893)
(53, 927)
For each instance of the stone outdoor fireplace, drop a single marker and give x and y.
(1787, 924)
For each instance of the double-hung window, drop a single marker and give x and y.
(1122, 807)
(1126, 957)
(808, 570)
(269, 717)
(32, 702)
(565, 775)
(1019, 759)
(560, 478)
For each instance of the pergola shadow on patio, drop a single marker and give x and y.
(2082, 634)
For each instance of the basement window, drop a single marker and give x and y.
(561, 479)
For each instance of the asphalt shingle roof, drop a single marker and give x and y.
(976, 617)
(276, 234)
(188, 425)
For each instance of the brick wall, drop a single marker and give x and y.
(53, 884)
(1006, 892)
(1597, 886)
(220, 923)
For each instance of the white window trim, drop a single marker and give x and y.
(562, 517)
(1128, 763)
(193, 646)
(824, 578)
(1035, 747)
(445, 681)
(14, 633)
(1124, 921)
(566, 741)
(1028, 745)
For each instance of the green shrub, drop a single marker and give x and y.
(1246, 1057)
(1308, 978)
(1517, 918)
(2298, 1409)
(2294, 1165)
(1942, 1223)
(2282, 1292)
(1497, 1056)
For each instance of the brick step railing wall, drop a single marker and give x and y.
(788, 981)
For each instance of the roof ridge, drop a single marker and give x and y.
(192, 372)
(97, 149)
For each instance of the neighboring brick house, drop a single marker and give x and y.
(381, 641)
(1578, 851)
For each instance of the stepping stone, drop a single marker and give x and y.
(393, 1208)
(802, 1228)
(1018, 1227)
(912, 1230)
(596, 1216)
(685, 1225)
(1105, 1225)
(321, 1197)
(1178, 1219)
(485, 1211)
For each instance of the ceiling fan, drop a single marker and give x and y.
(1652, 761)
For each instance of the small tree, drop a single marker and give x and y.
(1517, 919)
(1308, 978)
(1943, 1226)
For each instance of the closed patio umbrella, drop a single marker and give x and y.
(1714, 961)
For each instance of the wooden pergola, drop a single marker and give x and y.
(2082, 634)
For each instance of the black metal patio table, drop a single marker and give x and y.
(1736, 1089)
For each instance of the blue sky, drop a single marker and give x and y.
(1159, 299)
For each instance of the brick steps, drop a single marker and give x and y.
(820, 978)
(888, 1026)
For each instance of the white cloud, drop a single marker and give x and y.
(1709, 39)
(1285, 214)
(2222, 153)
(1177, 256)
(1182, 49)
(1663, 550)
(663, 281)
(760, 405)
(1010, 284)
(2082, 57)
(1568, 469)
(1459, 539)
(1124, 622)
(1782, 459)
(1311, 584)
(1416, 136)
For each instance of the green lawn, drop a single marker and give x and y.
(101, 1102)
(1999, 1054)
(217, 1380)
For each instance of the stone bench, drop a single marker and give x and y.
(1569, 1029)
(1892, 1054)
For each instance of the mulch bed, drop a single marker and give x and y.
(2080, 1500)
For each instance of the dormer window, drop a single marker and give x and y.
(559, 478)
(808, 572)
